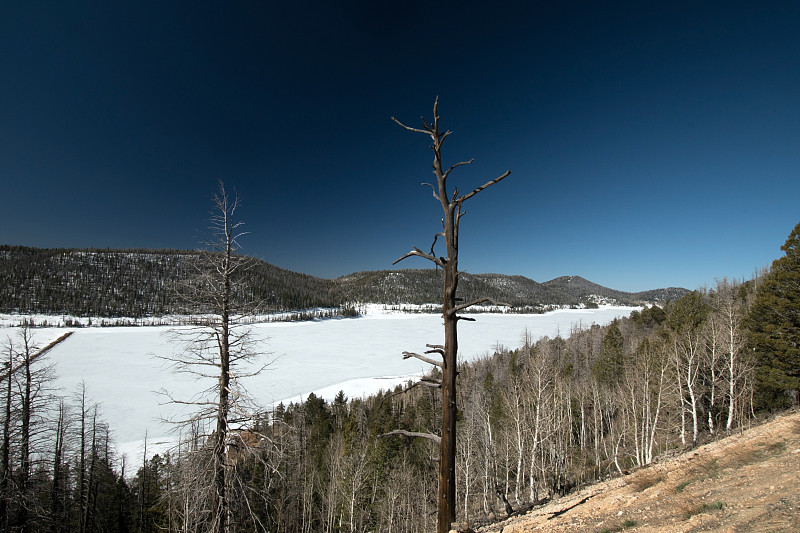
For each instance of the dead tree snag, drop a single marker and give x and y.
(452, 204)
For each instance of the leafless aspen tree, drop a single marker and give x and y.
(452, 204)
(737, 367)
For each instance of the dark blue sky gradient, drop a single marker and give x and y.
(649, 146)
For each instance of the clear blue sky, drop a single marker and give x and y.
(649, 146)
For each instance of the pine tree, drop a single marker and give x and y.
(774, 323)
(610, 367)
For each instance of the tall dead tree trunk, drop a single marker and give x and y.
(218, 347)
(452, 207)
(226, 229)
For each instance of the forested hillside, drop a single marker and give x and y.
(135, 283)
(139, 283)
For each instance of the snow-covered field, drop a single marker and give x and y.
(124, 370)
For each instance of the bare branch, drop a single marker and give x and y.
(415, 130)
(412, 434)
(425, 382)
(456, 166)
(484, 186)
(419, 253)
(428, 360)
(479, 301)
(429, 382)
(211, 405)
(435, 195)
(435, 348)
(433, 244)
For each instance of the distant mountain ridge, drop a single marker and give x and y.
(392, 287)
(137, 283)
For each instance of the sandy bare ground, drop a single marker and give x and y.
(746, 482)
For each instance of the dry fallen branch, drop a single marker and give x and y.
(39, 354)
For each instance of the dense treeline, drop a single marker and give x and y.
(144, 283)
(135, 283)
(534, 421)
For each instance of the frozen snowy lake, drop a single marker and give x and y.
(123, 367)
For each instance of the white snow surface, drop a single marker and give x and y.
(124, 370)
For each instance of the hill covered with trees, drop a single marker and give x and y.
(139, 283)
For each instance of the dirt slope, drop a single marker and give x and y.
(746, 482)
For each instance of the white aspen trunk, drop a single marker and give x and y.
(597, 429)
(691, 379)
(731, 397)
(616, 454)
(646, 416)
(733, 346)
(714, 355)
(467, 457)
(520, 451)
(654, 425)
(711, 404)
(532, 471)
(583, 425)
(536, 424)
(507, 470)
(679, 376)
(635, 423)
(352, 508)
(488, 454)
(693, 399)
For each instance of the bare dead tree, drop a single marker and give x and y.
(27, 399)
(220, 350)
(452, 207)
(5, 475)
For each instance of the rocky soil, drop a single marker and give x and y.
(746, 482)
